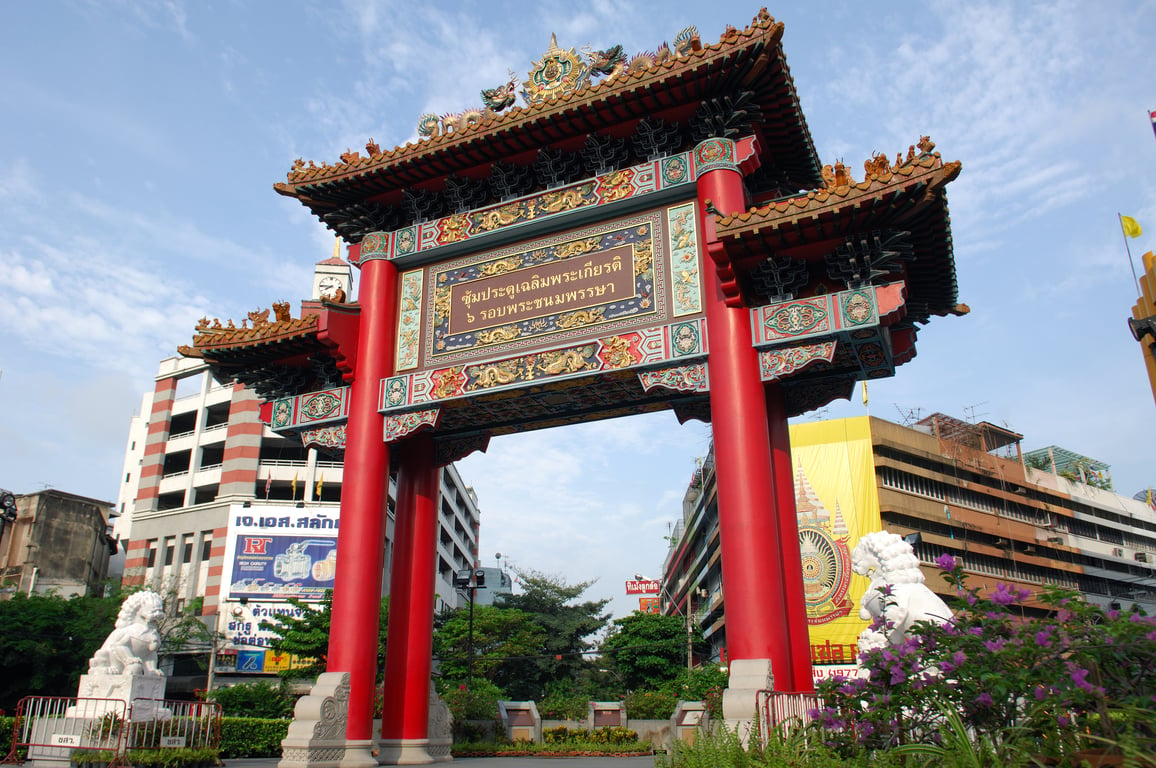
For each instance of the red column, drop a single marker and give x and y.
(794, 600)
(748, 529)
(361, 542)
(405, 715)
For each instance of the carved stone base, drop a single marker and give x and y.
(316, 737)
(128, 689)
(404, 752)
(740, 699)
(441, 729)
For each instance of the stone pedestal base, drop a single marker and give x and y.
(441, 729)
(740, 699)
(316, 737)
(119, 693)
(404, 752)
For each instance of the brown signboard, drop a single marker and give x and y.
(539, 291)
(598, 278)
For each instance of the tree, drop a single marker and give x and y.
(647, 649)
(47, 642)
(501, 638)
(307, 636)
(549, 601)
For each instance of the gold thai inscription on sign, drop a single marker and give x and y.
(548, 289)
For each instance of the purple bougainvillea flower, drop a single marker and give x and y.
(958, 658)
(946, 562)
(1003, 595)
(994, 645)
(897, 675)
(1040, 692)
(971, 598)
(1080, 678)
(984, 700)
(1044, 636)
(1064, 721)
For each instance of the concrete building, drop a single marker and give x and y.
(199, 460)
(59, 543)
(951, 486)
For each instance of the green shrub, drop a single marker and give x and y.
(563, 702)
(561, 734)
(568, 749)
(613, 734)
(7, 725)
(92, 756)
(252, 737)
(476, 702)
(651, 705)
(262, 699)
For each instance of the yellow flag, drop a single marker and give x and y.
(294, 485)
(864, 391)
(317, 491)
(1131, 226)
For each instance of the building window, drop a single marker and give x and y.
(127, 476)
(152, 561)
(187, 555)
(207, 547)
(170, 549)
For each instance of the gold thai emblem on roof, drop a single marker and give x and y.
(558, 73)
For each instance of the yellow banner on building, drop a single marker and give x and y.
(836, 502)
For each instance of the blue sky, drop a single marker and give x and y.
(141, 140)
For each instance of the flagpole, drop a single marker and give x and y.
(1128, 248)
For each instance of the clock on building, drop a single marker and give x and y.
(329, 286)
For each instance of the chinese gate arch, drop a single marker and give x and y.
(632, 238)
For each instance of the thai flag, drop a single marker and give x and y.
(1152, 114)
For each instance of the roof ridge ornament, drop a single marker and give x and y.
(559, 73)
(877, 166)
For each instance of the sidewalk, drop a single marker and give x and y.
(646, 761)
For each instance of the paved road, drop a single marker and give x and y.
(499, 762)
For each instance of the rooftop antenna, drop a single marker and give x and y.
(907, 415)
(969, 412)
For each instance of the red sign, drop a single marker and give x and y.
(648, 604)
(643, 587)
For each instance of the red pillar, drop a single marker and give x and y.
(794, 599)
(405, 714)
(748, 529)
(361, 542)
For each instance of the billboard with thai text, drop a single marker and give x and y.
(273, 552)
(836, 503)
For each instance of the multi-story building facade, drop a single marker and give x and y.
(59, 543)
(948, 486)
(199, 460)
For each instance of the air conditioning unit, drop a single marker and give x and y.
(1117, 551)
(1055, 540)
(1141, 557)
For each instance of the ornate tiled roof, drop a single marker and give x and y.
(217, 336)
(745, 72)
(282, 356)
(894, 222)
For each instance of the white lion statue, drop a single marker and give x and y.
(890, 562)
(132, 647)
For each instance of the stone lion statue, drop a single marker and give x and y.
(897, 598)
(132, 647)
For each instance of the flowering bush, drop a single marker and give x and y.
(1081, 677)
(563, 702)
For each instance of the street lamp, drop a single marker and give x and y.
(470, 582)
(688, 614)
